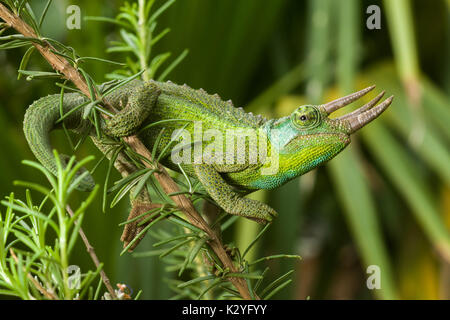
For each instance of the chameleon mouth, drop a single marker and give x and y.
(357, 119)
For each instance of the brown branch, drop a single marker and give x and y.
(169, 186)
(186, 206)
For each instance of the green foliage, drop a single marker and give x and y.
(138, 25)
(37, 239)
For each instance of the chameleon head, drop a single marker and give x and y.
(310, 137)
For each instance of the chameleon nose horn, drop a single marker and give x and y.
(362, 116)
(342, 102)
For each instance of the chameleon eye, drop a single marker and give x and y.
(305, 117)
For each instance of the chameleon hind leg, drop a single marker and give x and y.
(141, 209)
(141, 100)
(139, 205)
(229, 200)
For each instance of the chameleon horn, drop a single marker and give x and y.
(342, 102)
(365, 107)
(359, 120)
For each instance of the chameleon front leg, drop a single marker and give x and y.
(140, 102)
(228, 199)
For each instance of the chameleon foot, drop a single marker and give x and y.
(252, 209)
(140, 102)
(229, 200)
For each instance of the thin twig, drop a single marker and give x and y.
(91, 251)
(61, 65)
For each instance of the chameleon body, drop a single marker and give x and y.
(297, 143)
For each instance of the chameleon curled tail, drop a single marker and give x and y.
(43, 115)
(40, 119)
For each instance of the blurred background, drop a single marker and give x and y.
(384, 201)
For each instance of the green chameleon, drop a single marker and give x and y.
(296, 143)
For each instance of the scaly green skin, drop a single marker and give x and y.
(301, 141)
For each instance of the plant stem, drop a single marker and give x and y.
(186, 206)
(142, 33)
(63, 233)
(91, 251)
